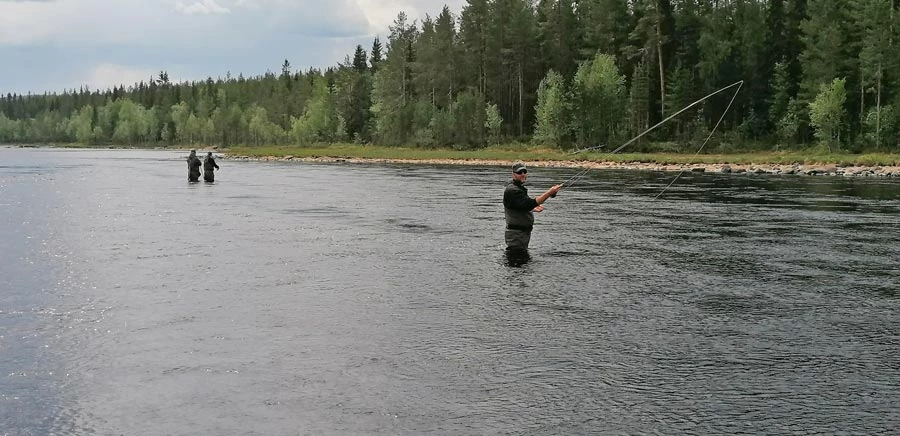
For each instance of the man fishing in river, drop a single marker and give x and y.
(193, 167)
(519, 209)
(208, 165)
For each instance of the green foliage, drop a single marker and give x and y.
(391, 114)
(552, 111)
(788, 126)
(80, 125)
(442, 128)
(166, 134)
(827, 113)
(230, 124)
(351, 97)
(604, 25)
(678, 96)
(107, 118)
(716, 46)
(9, 129)
(639, 103)
(423, 114)
(827, 36)
(558, 42)
(180, 114)
(135, 124)
(781, 97)
(469, 119)
(493, 122)
(262, 131)
(359, 60)
(321, 122)
(376, 55)
(880, 128)
(393, 94)
(599, 100)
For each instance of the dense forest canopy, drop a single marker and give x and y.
(566, 73)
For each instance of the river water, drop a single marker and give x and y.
(353, 299)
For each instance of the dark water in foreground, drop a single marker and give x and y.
(302, 299)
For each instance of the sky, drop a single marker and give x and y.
(56, 45)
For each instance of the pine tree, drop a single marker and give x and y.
(376, 55)
(359, 60)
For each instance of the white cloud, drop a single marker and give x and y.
(107, 75)
(203, 7)
(17, 25)
(381, 13)
(167, 22)
(48, 43)
(80, 21)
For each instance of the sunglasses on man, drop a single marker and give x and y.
(520, 172)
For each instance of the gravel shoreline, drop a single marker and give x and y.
(795, 169)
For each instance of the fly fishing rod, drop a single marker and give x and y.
(568, 183)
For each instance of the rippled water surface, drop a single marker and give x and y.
(350, 299)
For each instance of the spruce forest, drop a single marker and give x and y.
(563, 73)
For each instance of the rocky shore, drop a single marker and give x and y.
(795, 169)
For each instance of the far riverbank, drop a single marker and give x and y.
(798, 162)
(840, 166)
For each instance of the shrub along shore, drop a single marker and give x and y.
(800, 162)
(789, 162)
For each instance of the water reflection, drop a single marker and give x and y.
(517, 258)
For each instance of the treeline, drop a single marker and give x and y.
(568, 73)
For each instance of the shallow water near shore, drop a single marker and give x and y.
(295, 298)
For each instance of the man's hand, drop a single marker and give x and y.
(539, 208)
(550, 193)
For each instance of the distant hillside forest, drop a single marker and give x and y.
(566, 73)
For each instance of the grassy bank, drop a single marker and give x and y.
(534, 153)
(513, 152)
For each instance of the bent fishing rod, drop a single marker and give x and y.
(568, 183)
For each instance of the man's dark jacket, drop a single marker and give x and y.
(194, 168)
(208, 166)
(518, 205)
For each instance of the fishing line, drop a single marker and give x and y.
(568, 183)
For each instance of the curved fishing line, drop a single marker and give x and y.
(684, 168)
(568, 183)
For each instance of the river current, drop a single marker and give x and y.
(293, 298)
